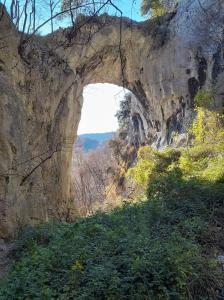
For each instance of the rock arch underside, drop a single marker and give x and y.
(163, 62)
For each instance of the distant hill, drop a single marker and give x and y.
(92, 141)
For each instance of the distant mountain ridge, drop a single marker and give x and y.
(92, 141)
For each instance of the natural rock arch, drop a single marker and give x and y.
(41, 97)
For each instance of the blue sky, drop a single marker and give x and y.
(130, 8)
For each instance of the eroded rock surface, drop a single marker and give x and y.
(163, 62)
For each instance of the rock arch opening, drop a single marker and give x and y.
(108, 118)
(106, 107)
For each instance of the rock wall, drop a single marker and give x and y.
(163, 62)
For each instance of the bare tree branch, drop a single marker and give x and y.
(38, 165)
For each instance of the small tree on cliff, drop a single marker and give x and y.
(124, 116)
(157, 8)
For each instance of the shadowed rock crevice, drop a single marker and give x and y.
(193, 87)
(218, 65)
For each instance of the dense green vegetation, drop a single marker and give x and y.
(163, 247)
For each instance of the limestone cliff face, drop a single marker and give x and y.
(163, 62)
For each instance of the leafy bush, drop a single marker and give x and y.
(151, 161)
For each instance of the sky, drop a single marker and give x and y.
(101, 102)
(129, 8)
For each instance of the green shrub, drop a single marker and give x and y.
(151, 161)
